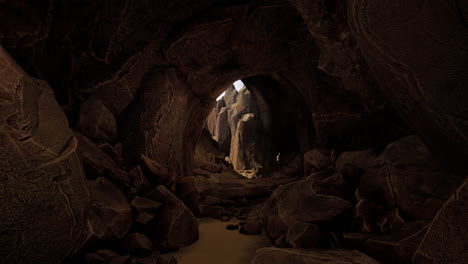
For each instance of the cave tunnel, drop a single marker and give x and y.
(123, 138)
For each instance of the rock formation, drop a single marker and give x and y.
(361, 105)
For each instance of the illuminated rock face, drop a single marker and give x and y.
(139, 78)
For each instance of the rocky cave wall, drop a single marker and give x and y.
(142, 76)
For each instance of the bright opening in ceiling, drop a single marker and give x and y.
(237, 84)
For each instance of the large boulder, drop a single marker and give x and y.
(299, 202)
(302, 256)
(144, 210)
(96, 121)
(177, 226)
(110, 215)
(408, 177)
(446, 241)
(398, 246)
(42, 186)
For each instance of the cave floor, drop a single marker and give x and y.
(219, 245)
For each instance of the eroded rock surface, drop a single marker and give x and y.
(42, 185)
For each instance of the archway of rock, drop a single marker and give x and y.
(111, 133)
(259, 127)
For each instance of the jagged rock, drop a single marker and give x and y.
(110, 216)
(303, 235)
(42, 186)
(100, 256)
(303, 256)
(398, 246)
(315, 161)
(177, 226)
(137, 244)
(298, 202)
(96, 121)
(99, 164)
(230, 97)
(223, 134)
(139, 180)
(447, 237)
(144, 210)
(245, 143)
(206, 150)
(409, 178)
(155, 173)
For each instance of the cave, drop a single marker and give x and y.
(123, 138)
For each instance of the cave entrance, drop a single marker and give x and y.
(257, 128)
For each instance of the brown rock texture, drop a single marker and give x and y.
(298, 256)
(110, 216)
(446, 240)
(42, 185)
(177, 226)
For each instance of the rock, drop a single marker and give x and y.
(155, 173)
(96, 121)
(223, 134)
(144, 210)
(208, 166)
(303, 235)
(365, 216)
(251, 227)
(206, 150)
(160, 259)
(447, 237)
(192, 190)
(225, 218)
(392, 220)
(315, 160)
(139, 180)
(112, 152)
(409, 178)
(363, 159)
(99, 164)
(298, 202)
(245, 144)
(321, 175)
(137, 244)
(42, 186)
(100, 256)
(337, 185)
(232, 227)
(110, 216)
(303, 256)
(121, 260)
(177, 226)
(398, 246)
